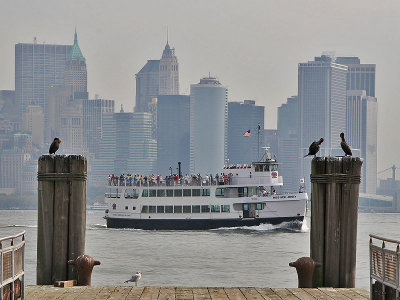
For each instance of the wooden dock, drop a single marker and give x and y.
(189, 293)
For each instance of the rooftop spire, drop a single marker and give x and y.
(76, 52)
(167, 34)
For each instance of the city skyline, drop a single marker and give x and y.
(244, 63)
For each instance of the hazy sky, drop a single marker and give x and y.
(253, 47)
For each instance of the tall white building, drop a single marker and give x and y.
(168, 72)
(208, 126)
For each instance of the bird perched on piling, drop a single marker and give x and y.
(346, 148)
(314, 147)
(135, 278)
(54, 145)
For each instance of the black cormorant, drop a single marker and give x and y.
(54, 145)
(345, 146)
(314, 147)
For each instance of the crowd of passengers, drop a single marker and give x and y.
(169, 180)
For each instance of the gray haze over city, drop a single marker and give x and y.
(252, 47)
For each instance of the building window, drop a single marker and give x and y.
(195, 208)
(195, 192)
(215, 208)
(76, 121)
(225, 208)
(178, 209)
(219, 192)
(178, 193)
(205, 208)
(206, 192)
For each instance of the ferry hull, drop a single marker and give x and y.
(197, 224)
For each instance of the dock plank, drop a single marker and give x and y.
(189, 293)
(333, 293)
(234, 294)
(268, 294)
(352, 294)
(251, 294)
(299, 293)
(285, 294)
(316, 293)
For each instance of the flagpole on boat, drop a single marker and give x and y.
(258, 142)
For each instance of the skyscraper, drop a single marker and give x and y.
(38, 67)
(157, 77)
(208, 125)
(93, 112)
(75, 71)
(288, 144)
(169, 72)
(147, 83)
(322, 102)
(243, 116)
(322, 106)
(127, 145)
(173, 133)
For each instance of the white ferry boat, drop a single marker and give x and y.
(243, 195)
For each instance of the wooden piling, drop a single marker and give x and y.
(61, 215)
(334, 209)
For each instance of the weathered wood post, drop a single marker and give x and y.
(335, 185)
(61, 215)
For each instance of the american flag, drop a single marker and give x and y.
(247, 133)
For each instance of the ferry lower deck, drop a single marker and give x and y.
(198, 224)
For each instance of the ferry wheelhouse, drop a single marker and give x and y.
(246, 196)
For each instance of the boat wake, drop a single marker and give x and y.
(19, 225)
(293, 226)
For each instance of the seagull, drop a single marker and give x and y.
(345, 146)
(314, 147)
(54, 145)
(135, 278)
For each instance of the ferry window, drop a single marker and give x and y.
(177, 209)
(219, 192)
(206, 192)
(170, 193)
(195, 208)
(114, 206)
(195, 192)
(133, 208)
(178, 193)
(145, 209)
(152, 193)
(243, 192)
(187, 209)
(215, 208)
(160, 209)
(205, 208)
(259, 206)
(187, 192)
(169, 209)
(129, 193)
(145, 193)
(160, 193)
(152, 209)
(225, 208)
(126, 207)
(258, 168)
(274, 167)
(266, 168)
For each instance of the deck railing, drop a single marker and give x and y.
(12, 270)
(384, 263)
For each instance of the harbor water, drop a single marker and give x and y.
(248, 256)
